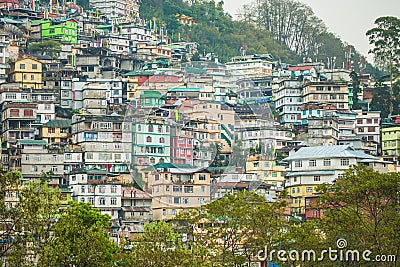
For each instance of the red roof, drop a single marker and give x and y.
(295, 68)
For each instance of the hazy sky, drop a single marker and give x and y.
(349, 19)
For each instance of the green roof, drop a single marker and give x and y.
(150, 94)
(138, 72)
(184, 90)
(31, 142)
(58, 123)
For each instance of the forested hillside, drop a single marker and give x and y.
(287, 29)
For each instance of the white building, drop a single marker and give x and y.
(288, 99)
(368, 128)
(4, 56)
(313, 166)
(97, 188)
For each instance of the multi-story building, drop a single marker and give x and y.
(181, 145)
(287, 96)
(56, 131)
(116, 9)
(17, 121)
(27, 72)
(98, 188)
(334, 93)
(136, 206)
(391, 143)
(312, 166)
(369, 129)
(251, 66)
(102, 97)
(177, 188)
(267, 170)
(4, 57)
(323, 131)
(151, 140)
(64, 30)
(106, 140)
(38, 159)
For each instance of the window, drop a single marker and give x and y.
(312, 163)
(177, 200)
(202, 177)
(54, 168)
(82, 189)
(327, 162)
(298, 163)
(90, 189)
(177, 188)
(159, 128)
(188, 189)
(151, 128)
(113, 201)
(344, 162)
(317, 178)
(28, 112)
(32, 77)
(148, 139)
(274, 174)
(11, 96)
(102, 189)
(102, 201)
(82, 199)
(371, 129)
(113, 189)
(309, 189)
(162, 140)
(185, 200)
(22, 66)
(91, 200)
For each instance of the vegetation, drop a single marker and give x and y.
(50, 48)
(385, 38)
(362, 208)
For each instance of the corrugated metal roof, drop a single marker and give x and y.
(32, 142)
(341, 151)
(58, 123)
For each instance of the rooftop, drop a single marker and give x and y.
(342, 151)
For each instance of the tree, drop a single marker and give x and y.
(50, 48)
(364, 209)
(386, 41)
(35, 215)
(159, 245)
(80, 239)
(195, 57)
(235, 227)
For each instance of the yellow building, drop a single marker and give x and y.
(27, 72)
(267, 170)
(56, 131)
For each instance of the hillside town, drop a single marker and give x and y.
(114, 114)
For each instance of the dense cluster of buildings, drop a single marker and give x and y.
(115, 119)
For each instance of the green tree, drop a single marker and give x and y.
(50, 47)
(80, 239)
(364, 209)
(385, 39)
(159, 245)
(195, 57)
(235, 227)
(36, 212)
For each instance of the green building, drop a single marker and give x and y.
(391, 143)
(151, 99)
(64, 30)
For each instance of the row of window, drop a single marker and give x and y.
(326, 162)
(151, 128)
(101, 202)
(102, 189)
